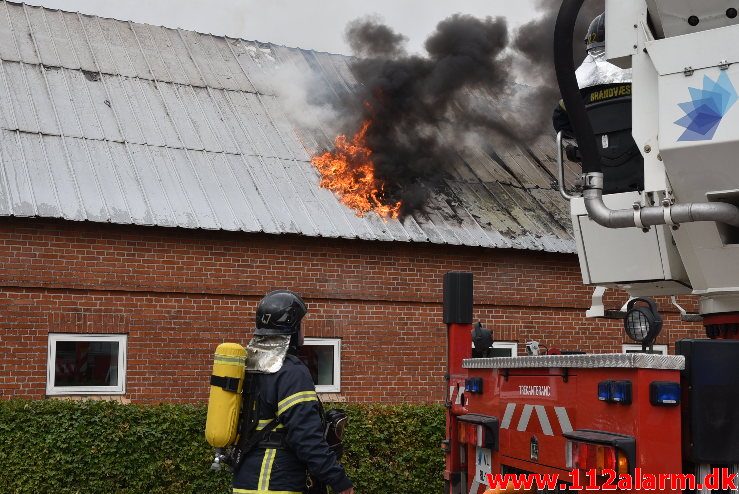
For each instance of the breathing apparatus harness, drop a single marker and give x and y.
(249, 436)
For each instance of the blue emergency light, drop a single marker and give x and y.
(621, 392)
(473, 385)
(604, 391)
(664, 393)
(615, 392)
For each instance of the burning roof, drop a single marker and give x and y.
(113, 121)
(349, 172)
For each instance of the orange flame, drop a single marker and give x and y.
(348, 171)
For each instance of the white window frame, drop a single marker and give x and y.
(511, 345)
(336, 344)
(635, 348)
(53, 390)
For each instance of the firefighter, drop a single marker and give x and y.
(594, 71)
(296, 447)
(606, 91)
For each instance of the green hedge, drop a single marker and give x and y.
(97, 447)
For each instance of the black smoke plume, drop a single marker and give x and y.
(534, 41)
(369, 38)
(423, 107)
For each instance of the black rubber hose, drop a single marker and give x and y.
(564, 65)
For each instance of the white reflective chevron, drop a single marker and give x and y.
(508, 415)
(523, 422)
(563, 418)
(460, 395)
(546, 426)
(542, 415)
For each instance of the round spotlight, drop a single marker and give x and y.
(642, 322)
(637, 325)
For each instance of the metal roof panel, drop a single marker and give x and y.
(131, 123)
(17, 182)
(157, 202)
(249, 196)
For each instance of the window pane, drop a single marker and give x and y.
(320, 362)
(86, 363)
(501, 352)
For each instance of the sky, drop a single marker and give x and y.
(312, 24)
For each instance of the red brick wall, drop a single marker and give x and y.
(178, 293)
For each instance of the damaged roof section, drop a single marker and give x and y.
(111, 121)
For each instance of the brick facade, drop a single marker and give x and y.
(179, 293)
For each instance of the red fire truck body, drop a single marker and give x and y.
(536, 401)
(555, 414)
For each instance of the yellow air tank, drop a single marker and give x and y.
(224, 404)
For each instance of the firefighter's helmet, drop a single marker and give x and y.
(596, 37)
(280, 313)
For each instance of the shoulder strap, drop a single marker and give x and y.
(249, 437)
(249, 404)
(256, 438)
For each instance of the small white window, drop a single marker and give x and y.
(505, 349)
(86, 364)
(323, 358)
(634, 348)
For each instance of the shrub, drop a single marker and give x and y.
(93, 447)
(395, 449)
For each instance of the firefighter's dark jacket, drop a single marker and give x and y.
(289, 395)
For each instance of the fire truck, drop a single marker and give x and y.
(661, 221)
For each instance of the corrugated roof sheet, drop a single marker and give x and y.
(113, 121)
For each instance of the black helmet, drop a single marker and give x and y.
(280, 312)
(596, 37)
